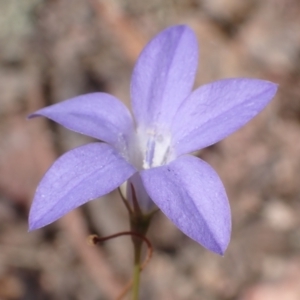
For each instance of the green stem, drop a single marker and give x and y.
(136, 270)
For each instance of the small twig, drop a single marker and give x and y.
(94, 240)
(95, 261)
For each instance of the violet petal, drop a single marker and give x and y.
(78, 176)
(98, 115)
(164, 75)
(216, 110)
(190, 193)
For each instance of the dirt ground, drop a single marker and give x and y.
(51, 50)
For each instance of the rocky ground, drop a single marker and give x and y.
(51, 50)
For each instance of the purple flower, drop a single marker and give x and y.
(151, 150)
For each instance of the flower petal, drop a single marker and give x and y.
(98, 115)
(80, 175)
(164, 75)
(216, 110)
(192, 196)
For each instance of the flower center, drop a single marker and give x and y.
(157, 149)
(153, 148)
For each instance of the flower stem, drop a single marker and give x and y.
(139, 224)
(137, 269)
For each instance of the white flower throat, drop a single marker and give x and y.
(152, 149)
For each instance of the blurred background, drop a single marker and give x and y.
(51, 50)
